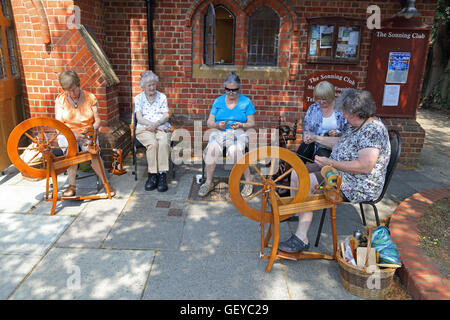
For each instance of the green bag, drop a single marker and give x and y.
(382, 242)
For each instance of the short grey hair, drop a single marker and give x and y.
(146, 77)
(233, 78)
(356, 102)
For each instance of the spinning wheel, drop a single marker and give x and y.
(264, 181)
(265, 189)
(43, 132)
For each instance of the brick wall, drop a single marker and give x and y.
(121, 28)
(178, 45)
(42, 62)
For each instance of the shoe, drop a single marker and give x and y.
(293, 244)
(70, 191)
(247, 190)
(152, 182)
(162, 182)
(205, 189)
(292, 219)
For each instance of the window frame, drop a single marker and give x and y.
(212, 9)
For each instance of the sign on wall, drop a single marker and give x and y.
(338, 79)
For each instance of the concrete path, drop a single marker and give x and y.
(151, 245)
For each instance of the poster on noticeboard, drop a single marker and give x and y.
(398, 67)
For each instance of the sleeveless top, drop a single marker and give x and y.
(77, 118)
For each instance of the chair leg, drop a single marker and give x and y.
(135, 164)
(362, 214)
(375, 210)
(203, 172)
(319, 232)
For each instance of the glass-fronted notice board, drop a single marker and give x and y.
(334, 40)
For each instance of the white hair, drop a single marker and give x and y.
(146, 77)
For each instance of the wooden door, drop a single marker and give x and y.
(11, 106)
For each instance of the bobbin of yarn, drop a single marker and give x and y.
(330, 174)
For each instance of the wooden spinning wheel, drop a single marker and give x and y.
(264, 180)
(265, 205)
(43, 132)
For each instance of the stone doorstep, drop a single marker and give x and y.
(418, 273)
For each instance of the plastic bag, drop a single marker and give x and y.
(382, 242)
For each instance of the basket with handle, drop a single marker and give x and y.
(365, 282)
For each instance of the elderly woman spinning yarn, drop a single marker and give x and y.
(361, 155)
(153, 130)
(77, 109)
(232, 114)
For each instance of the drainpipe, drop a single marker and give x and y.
(150, 35)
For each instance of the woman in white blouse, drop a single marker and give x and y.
(153, 130)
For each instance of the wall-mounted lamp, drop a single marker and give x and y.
(409, 11)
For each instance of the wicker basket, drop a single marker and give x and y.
(359, 282)
(356, 279)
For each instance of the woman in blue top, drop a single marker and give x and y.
(231, 114)
(322, 118)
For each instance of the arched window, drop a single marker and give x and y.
(263, 36)
(219, 36)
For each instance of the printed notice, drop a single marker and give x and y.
(391, 95)
(398, 66)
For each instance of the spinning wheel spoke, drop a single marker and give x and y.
(252, 183)
(283, 175)
(257, 193)
(257, 171)
(30, 137)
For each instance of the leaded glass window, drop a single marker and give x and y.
(263, 37)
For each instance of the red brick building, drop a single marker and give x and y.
(106, 42)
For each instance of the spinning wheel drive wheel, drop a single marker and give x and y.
(254, 206)
(43, 132)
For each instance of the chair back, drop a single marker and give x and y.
(396, 148)
(136, 142)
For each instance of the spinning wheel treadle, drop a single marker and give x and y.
(280, 207)
(44, 132)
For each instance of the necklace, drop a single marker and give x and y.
(365, 120)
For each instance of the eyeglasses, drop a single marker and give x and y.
(231, 90)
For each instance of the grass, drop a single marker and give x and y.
(434, 233)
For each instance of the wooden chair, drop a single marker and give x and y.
(396, 148)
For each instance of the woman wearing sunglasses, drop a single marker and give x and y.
(231, 114)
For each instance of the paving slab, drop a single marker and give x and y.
(146, 234)
(30, 234)
(80, 274)
(13, 269)
(207, 276)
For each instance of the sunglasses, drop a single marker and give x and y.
(231, 90)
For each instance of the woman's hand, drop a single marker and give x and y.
(79, 137)
(309, 138)
(222, 125)
(332, 133)
(236, 125)
(152, 127)
(322, 161)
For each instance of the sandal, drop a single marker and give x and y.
(70, 191)
(205, 189)
(293, 244)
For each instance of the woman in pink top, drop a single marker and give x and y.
(77, 109)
